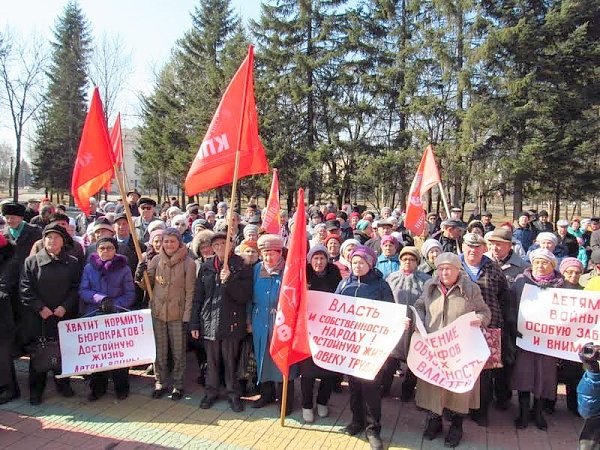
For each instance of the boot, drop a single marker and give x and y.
(538, 415)
(266, 395)
(434, 426)
(522, 421)
(455, 432)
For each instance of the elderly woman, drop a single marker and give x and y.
(388, 261)
(172, 276)
(534, 373)
(319, 235)
(324, 276)
(343, 263)
(365, 395)
(180, 222)
(333, 243)
(249, 251)
(548, 241)
(267, 276)
(49, 283)
(107, 286)
(363, 231)
(447, 296)
(430, 249)
(407, 286)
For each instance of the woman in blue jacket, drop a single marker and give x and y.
(588, 400)
(365, 395)
(107, 287)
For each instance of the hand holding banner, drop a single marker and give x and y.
(452, 357)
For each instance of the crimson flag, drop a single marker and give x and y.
(271, 222)
(426, 177)
(234, 128)
(290, 334)
(116, 139)
(94, 163)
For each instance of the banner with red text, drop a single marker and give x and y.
(352, 335)
(106, 342)
(451, 357)
(558, 322)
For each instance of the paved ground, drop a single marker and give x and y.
(140, 422)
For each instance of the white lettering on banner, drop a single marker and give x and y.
(215, 145)
(352, 335)
(558, 322)
(100, 343)
(451, 357)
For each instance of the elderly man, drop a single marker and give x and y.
(82, 221)
(147, 215)
(524, 232)
(494, 290)
(384, 228)
(486, 220)
(543, 223)
(451, 235)
(32, 210)
(566, 239)
(447, 296)
(18, 232)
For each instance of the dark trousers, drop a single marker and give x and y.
(323, 394)
(120, 377)
(589, 439)
(502, 389)
(409, 384)
(222, 353)
(37, 382)
(365, 402)
(7, 366)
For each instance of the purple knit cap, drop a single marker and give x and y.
(570, 262)
(365, 253)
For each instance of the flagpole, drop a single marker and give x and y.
(236, 168)
(132, 230)
(283, 401)
(447, 208)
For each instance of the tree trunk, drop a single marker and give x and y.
(517, 195)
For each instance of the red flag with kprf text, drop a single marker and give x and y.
(426, 177)
(116, 140)
(271, 223)
(234, 127)
(290, 333)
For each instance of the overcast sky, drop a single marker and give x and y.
(148, 28)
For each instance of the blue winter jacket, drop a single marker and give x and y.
(588, 395)
(106, 279)
(371, 286)
(526, 236)
(387, 264)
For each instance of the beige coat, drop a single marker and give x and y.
(173, 280)
(436, 311)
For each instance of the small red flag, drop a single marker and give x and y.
(235, 123)
(116, 140)
(271, 222)
(94, 163)
(426, 177)
(290, 334)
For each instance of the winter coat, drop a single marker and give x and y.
(125, 249)
(29, 235)
(107, 279)
(50, 282)
(173, 281)
(512, 267)
(387, 264)
(219, 310)
(588, 395)
(142, 228)
(265, 295)
(344, 266)
(579, 249)
(371, 286)
(449, 244)
(438, 310)
(361, 236)
(9, 288)
(406, 290)
(532, 372)
(559, 252)
(375, 244)
(569, 241)
(526, 236)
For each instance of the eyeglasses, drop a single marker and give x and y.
(146, 207)
(408, 260)
(106, 248)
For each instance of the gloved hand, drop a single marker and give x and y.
(139, 271)
(589, 355)
(107, 306)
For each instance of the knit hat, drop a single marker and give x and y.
(346, 243)
(246, 243)
(156, 232)
(547, 236)
(111, 240)
(13, 209)
(542, 253)
(319, 248)
(173, 232)
(332, 236)
(362, 225)
(200, 222)
(570, 262)
(250, 229)
(389, 238)
(270, 242)
(366, 253)
(428, 245)
(410, 250)
(102, 223)
(448, 258)
(56, 228)
(156, 225)
(562, 223)
(318, 227)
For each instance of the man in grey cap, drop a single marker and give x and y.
(451, 235)
(486, 220)
(384, 228)
(566, 239)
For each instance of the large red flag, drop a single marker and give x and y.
(234, 124)
(271, 222)
(94, 163)
(290, 335)
(116, 140)
(426, 177)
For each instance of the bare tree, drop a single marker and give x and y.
(110, 68)
(22, 72)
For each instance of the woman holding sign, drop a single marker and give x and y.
(446, 297)
(365, 395)
(533, 372)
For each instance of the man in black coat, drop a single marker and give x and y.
(219, 318)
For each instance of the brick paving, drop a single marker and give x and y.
(140, 422)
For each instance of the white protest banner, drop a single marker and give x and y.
(106, 342)
(352, 335)
(558, 322)
(452, 357)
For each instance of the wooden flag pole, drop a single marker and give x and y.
(132, 230)
(284, 400)
(236, 168)
(447, 208)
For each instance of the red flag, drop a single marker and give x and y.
(116, 141)
(426, 177)
(290, 335)
(271, 222)
(94, 163)
(233, 128)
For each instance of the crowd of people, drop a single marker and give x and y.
(222, 306)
